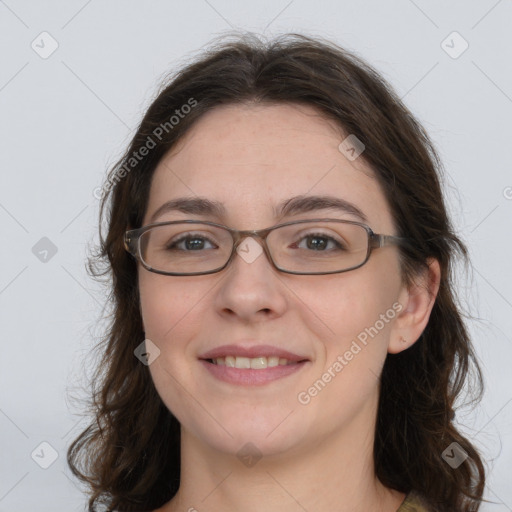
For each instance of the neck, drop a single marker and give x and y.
(337, 474)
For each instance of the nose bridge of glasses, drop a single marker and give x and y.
(250, 244)
(258, 236)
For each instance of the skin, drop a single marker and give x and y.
(318, 456)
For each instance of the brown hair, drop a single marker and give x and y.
(129, 455)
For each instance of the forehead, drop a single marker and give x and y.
(252, 157)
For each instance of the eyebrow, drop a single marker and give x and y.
(293, 206)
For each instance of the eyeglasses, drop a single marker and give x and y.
(305, 247)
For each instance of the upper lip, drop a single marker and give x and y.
(251, 352)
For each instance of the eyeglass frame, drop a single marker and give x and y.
(375, 240)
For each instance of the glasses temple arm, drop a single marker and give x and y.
(384, 240)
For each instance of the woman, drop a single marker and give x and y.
(312, 366)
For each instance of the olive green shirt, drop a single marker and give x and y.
(413, 503)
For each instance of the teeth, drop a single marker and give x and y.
(254, 363)
(242, 362)
(272, 361)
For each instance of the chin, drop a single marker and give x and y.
(251, 433)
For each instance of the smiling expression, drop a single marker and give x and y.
(216, 332)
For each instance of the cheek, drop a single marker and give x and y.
(171, 311)
(351, 315)
(356, 312)
(173, 319)
(168, 304)
(348, 304)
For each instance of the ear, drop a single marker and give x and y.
(417, 300)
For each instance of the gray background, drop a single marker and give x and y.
(66, 118)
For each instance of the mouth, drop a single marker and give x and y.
(251, 366)
(253, 363)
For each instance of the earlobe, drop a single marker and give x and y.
(418, 300)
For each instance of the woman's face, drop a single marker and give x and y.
(251, 159)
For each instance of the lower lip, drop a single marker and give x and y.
(250, 377)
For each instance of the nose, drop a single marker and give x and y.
(251, 289)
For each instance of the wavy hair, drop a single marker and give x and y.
(129, 455)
